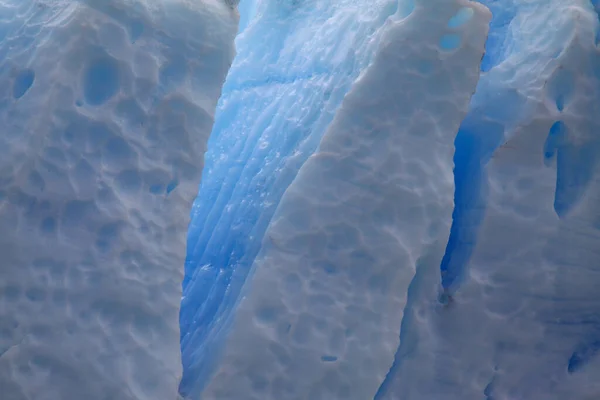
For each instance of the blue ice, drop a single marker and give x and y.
(105, 109)
(281, 95)
(519, 306)
(497, 108)
(295, 63)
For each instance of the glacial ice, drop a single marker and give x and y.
(322, 308)
(105, 109)
(326, 268)
(523, 262)
(400, 199)
(295, 63)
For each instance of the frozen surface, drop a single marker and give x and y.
(321, 312)
(295, 63)
(326, 256)
(522, 268)
(105, 110)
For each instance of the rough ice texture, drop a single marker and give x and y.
(523, 263)
(295, 63)
(323, 304)
(105, 110)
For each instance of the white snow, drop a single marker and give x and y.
(105, 111)
(322, 308)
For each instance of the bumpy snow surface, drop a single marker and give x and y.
(105, 110)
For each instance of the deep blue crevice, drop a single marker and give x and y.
(499, 37)
(556, 138)
(477, 139)
(475, 142)
(469, 204)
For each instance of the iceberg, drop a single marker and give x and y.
(105, 110)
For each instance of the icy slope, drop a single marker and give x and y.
(295, 63)
(523, 263)
(105, 110)
(322, 308)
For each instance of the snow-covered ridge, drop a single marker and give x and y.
(105, 111)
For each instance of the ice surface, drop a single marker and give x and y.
(295, 63)
(522, 267)
(105, 110)
(326, 256)
(322, 308)
(359, 233)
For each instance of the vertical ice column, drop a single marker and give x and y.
(525, 322)
(321, 313)
(105, 109)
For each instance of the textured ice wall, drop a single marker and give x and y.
(322, 308)
(295, 62)
(247, 11)
(105, 110)
(523, 263)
